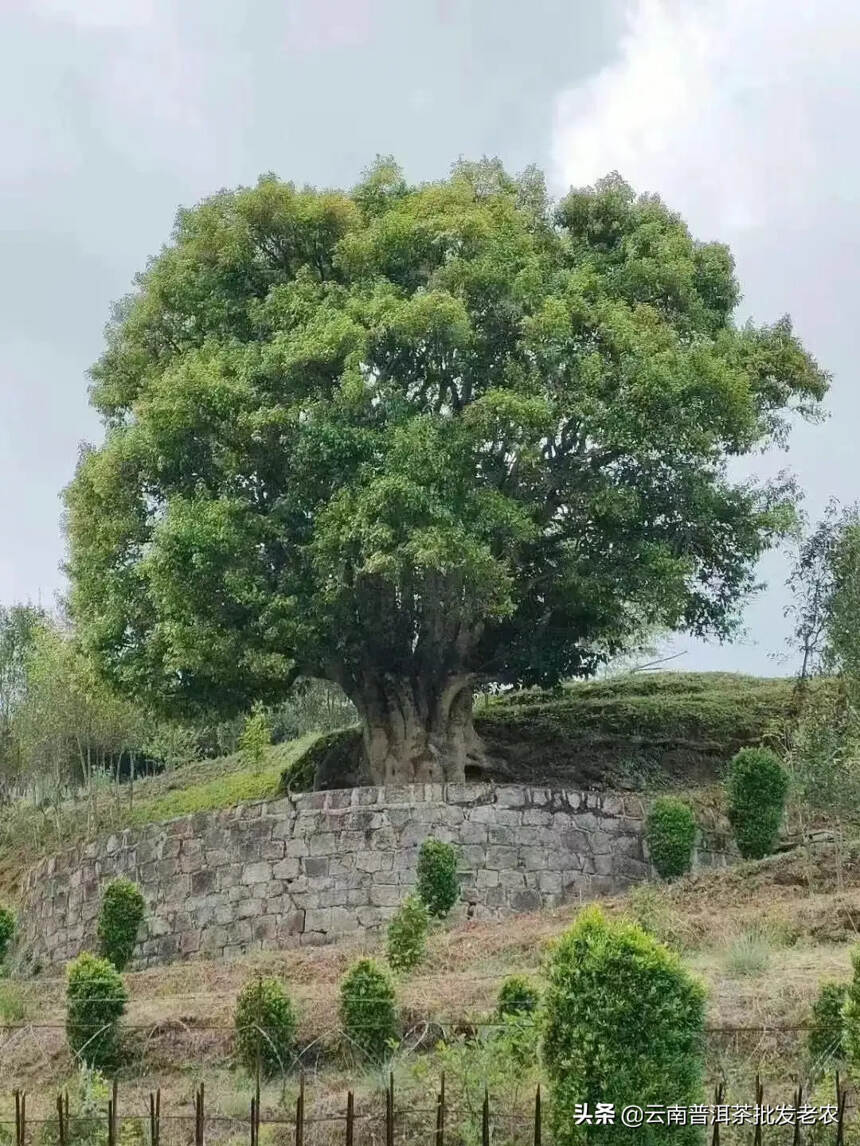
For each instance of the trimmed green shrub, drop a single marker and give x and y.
(95, 1002)
(757, 787)
(265, 1026)
(624, 1024)
(255, 738)
(121, 915)
(517, 1013)
(407, 934)
(7, 930)
(518, 996)
(826, 1038)
(367, 1009)
(670, 832)
(438, 883)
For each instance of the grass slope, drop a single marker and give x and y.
(29, 831)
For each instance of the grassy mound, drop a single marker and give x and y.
(636, 730)
(639, 730)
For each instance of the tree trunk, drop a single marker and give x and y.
(417, 731)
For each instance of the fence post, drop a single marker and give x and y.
(841, 1099)
(61, 1122)
(389, 1111)
(20, 1117)
(718, 1101)
(798, 1102)
(300, 1111)
(111, 1137)
(759, 1101)
(440, 1113)
(350, 1117)
(199, 1116)
(257, 1107)
(537, 1117)
(485, 1119)
(154, 1117)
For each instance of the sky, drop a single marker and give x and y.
(113, 113)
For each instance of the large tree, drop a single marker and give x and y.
(408, 438)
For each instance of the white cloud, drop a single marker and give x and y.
(742, 115)
(732, 109)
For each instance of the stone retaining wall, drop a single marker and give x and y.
(328, 864)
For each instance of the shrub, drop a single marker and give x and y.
(749, 954)
(7, 930)
(255, 738)
(367, 1009)
(87, 1126)
(13, 1008)
(826, 1038)
(516, 1013)
(265, 1026)
(518, 996)
(407, 934)
(438, 884)
(95, 998)
(757, 787)
(670, 832)
(624, 1024)
(120, 917)
(649, 906)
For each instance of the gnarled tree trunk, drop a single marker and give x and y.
(418, 731)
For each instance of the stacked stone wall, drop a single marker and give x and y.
(323, 865)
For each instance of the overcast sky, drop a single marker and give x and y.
(741, 113)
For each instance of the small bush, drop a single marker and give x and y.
(95, 999)
(7, 930)
(517, 996)
(367, 1009)
(826, 1040)
(255, 738)
(13, 1008)
(748, 955)
(438, 883)
(516, 1014)
(87, 1126)
(121, 915)
(265, 1026)
(407, 934)
(670, 832)
(624, 1024)
(649, 906)
(757, 787)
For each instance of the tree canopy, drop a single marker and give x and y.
(404, 438)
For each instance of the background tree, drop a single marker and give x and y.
(823, 742)
(70, 724)
(408, 438)
(812, 584)
(18, 625)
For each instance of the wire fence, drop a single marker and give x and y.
(720, 1122)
